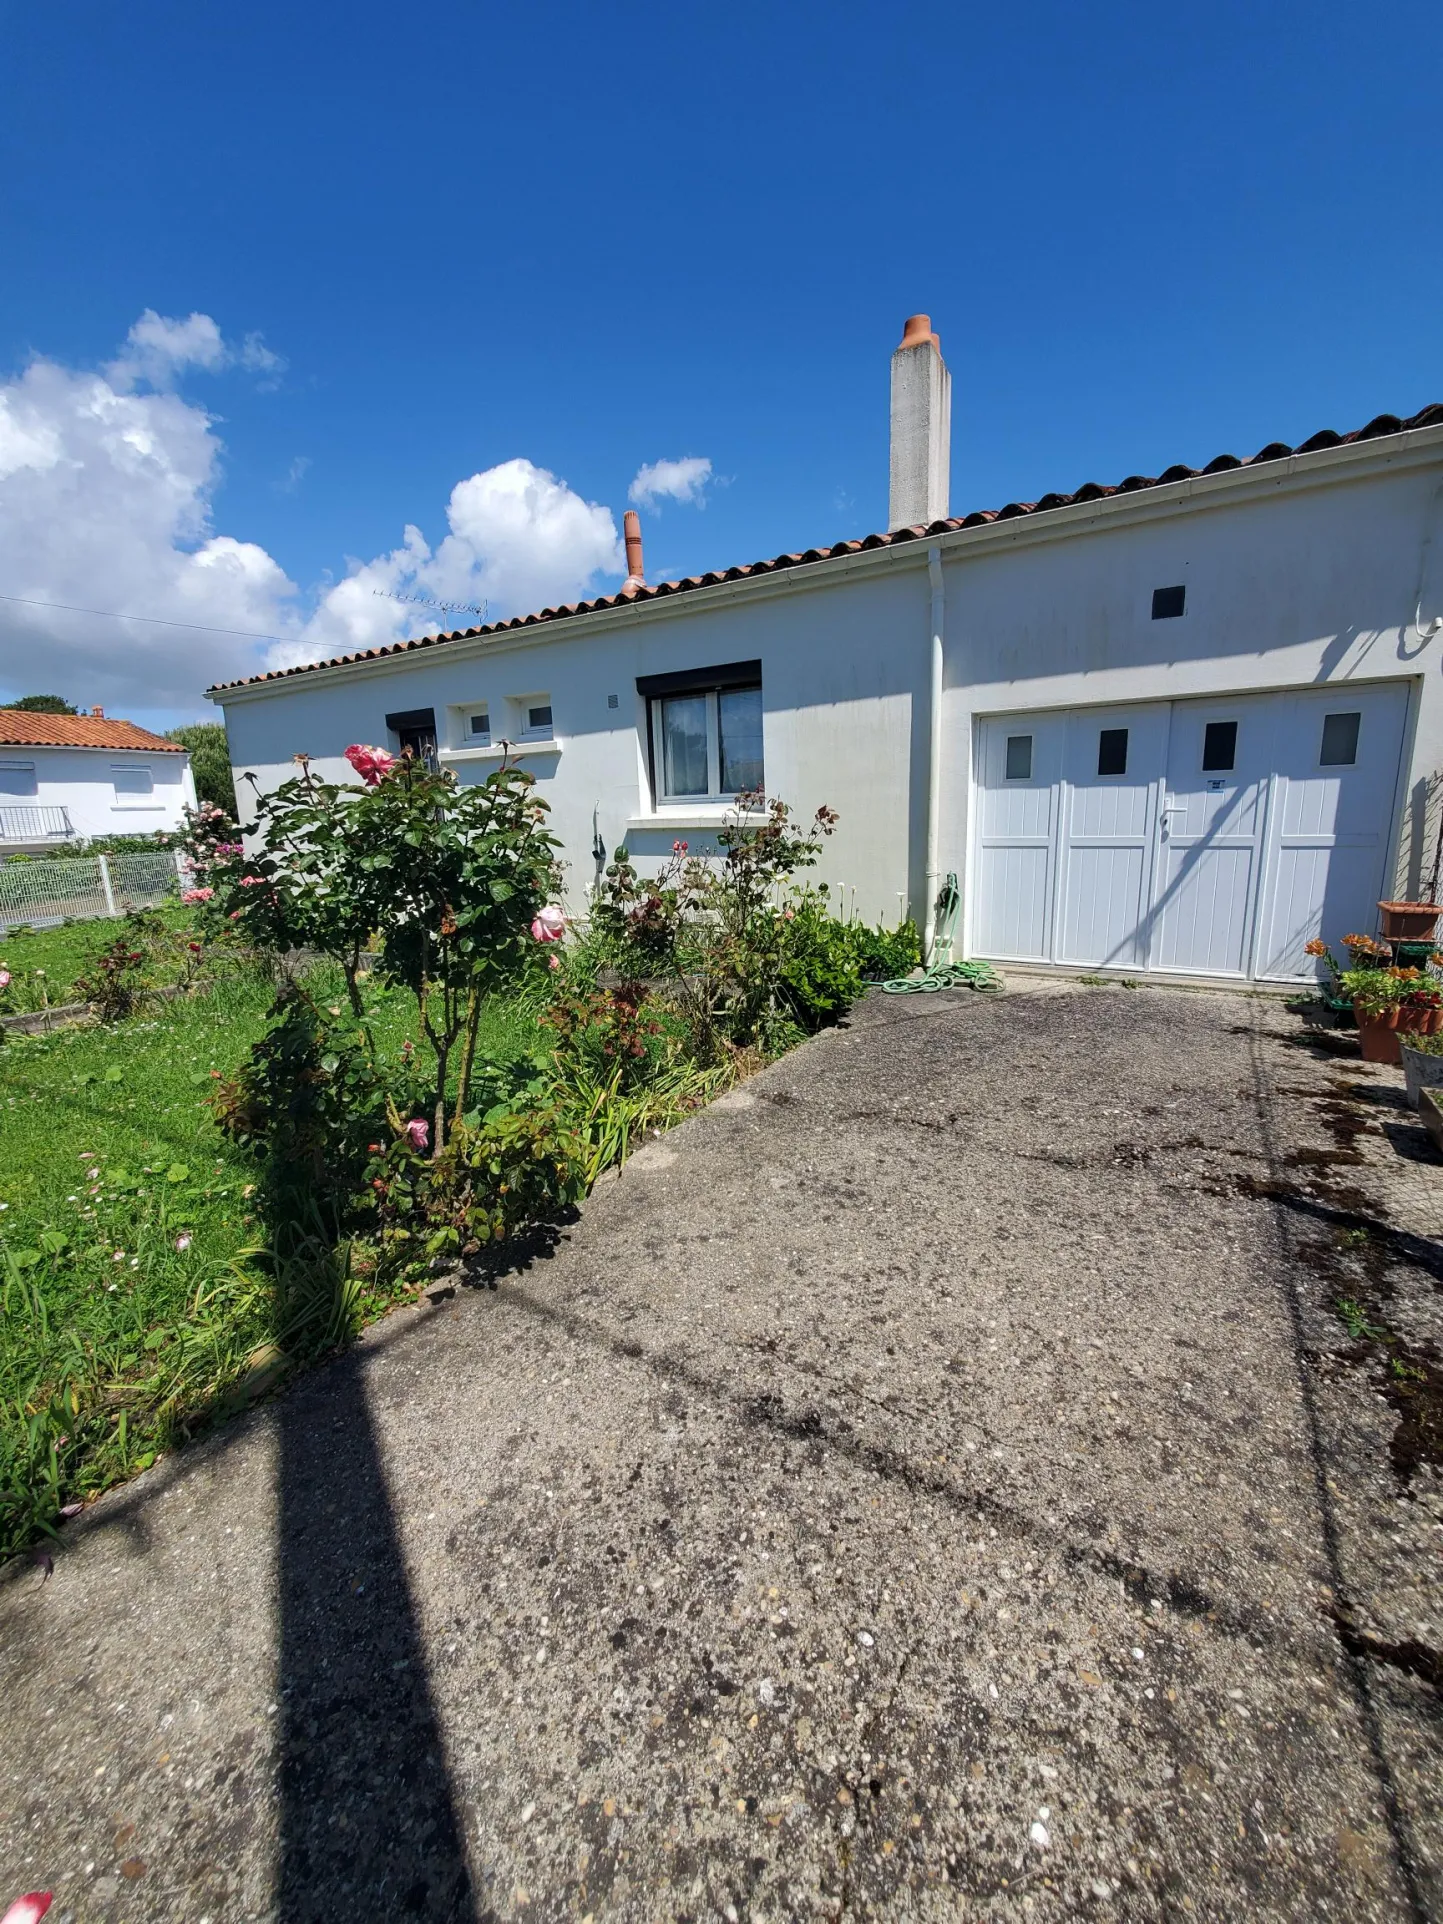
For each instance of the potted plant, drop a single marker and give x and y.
(1363, 953)
(1409, 921)
(1377, 996)
(1422, 1064)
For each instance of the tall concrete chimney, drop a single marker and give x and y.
(631, 529)
(921, 428)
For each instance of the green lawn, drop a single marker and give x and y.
(134, 1298)
(43, 963)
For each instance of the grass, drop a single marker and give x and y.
(136, 1298)
(43, 963)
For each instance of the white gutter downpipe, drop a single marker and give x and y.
(934, 751)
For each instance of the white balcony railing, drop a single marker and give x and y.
(35, 825)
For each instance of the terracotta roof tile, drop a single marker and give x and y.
(27, 728)
(1427, 417)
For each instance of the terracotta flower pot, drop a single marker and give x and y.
(1409, 921)
(1410, 1020)
(1378, 1034)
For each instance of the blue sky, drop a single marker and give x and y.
(440, 239)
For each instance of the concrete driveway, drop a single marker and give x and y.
(934, 1483)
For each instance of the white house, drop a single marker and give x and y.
(1182, 724)
(73, 777)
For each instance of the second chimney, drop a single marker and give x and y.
(921, 429)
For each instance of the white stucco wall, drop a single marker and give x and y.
(83, 782)
(1302, 572)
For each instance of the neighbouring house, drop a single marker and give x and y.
(68, 778)
(1178, 725)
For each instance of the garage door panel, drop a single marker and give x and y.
(1202, 920)
(1013, 887)
(1103, 905)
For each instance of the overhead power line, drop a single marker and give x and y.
(155, 621)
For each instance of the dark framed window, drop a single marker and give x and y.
(705, 732)
(415, 729)
(1220, 746)
(1019, 758)
(1168, 603)
(1112, 751)
(1339, 747)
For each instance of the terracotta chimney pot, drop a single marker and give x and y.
(635, 576)
(918, 332)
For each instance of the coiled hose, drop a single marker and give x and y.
(947, 975)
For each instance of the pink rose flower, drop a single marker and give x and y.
(28, 1909)
(370, 763)
(197, 895)
(678, 848)
(4, 978)
(549, 926)
(419, 1132)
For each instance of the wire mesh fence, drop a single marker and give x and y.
(85, 886)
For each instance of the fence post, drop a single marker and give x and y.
(179, 865)
(110, 908)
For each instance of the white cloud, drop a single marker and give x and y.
(106, 502)
(683, 480)
(158, 350)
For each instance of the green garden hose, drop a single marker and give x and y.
(947, 975)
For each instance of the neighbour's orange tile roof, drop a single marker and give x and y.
(1381, 424)
(27, 728)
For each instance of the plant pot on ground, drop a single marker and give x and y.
(1377, 1032)
(1409, 921)
(1422, 1057)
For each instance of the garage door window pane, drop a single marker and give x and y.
(1019, 758)
(740, 720)
(683, 745)
(1340, 741)
(1112, 751)
(1220, 745)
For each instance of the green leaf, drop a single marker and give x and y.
(114, 1073)
(177, 1172)
(54, 1240)
(25, 1258)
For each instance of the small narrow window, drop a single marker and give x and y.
(478, 726)
(1220, 745)
(1167, 603)
(1112, 751)
(1019, 758)
(538, 719)
(17, 778)
(131, 781)
(613, 701)
(1340, 741)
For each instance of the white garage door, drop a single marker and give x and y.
(1203, 838)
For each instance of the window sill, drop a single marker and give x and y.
(704, 815)
(497, 750)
